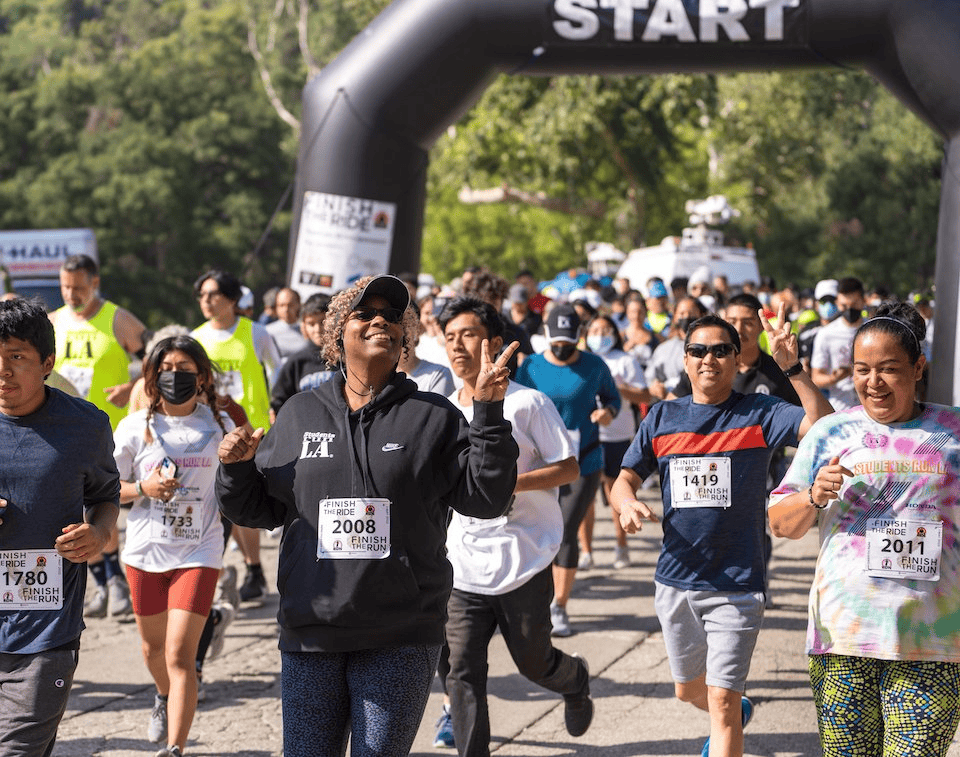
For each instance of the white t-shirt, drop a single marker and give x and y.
(496, 556)
(430, 377)
(287, 337)
(626, 370)
(832, 349)
(185, 533)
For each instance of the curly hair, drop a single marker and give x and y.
(339, 310)
(151, 372)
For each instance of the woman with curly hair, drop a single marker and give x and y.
(174, 543)
(360, 472)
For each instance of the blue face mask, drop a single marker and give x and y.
(764, 298)
(601, 344)
(827, 310)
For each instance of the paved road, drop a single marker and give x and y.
(616, 630)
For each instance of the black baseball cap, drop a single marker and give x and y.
(392, 289)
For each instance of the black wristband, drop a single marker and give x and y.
(793, 370)
(813, 502)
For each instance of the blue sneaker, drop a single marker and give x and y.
(443, 739)
(746, 712)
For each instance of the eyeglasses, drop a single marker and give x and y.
(213, 293)
(390, 315)
(699, 351)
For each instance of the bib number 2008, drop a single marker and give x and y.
(358, 526)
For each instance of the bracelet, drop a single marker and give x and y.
(140, 489)
(812, 502)
(793, 370)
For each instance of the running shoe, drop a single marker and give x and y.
(443, 739)
(227, 587)
(621, 558)
(746, 712)
(170, 751)
(560, 621)
(97, 606)
(157, 730)
(118, 594)
(578, 708)
(227, 614)
(254, 585)
(586, 560)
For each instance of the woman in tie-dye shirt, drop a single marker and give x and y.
(883, 483)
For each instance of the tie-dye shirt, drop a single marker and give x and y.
(905, 488)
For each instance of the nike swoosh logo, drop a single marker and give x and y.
(391, 447)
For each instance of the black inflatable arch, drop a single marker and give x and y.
(372, 115)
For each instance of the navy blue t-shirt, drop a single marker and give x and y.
(714, 548)
(55, 464)
(577, 390)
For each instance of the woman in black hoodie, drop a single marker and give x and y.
(361, 472)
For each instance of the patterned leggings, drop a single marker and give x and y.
(869, 708)
(376, 696)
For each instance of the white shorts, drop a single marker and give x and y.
(709, 632)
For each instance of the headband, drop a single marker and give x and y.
(900, 323)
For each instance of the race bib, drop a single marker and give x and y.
(230, 383)
(700, 482)
(904, 549)
(353, 528)
(175, 522)
(81, 378)
(31, 579)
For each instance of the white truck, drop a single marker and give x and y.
(31, 260)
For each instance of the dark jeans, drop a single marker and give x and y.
(523, 616)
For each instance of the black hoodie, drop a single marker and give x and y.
(413, 448)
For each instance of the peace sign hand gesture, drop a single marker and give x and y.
(784, 346)
(494, 377)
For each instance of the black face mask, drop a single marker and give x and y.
(684, 323)
(177, 387)
(852, 315)
(563, 350)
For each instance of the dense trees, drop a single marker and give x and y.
(171, 128)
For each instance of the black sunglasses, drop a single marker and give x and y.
(390, 315)
(699, 351)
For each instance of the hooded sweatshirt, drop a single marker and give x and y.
(410, 447)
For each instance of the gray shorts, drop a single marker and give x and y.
(34, 689)
(709, 632)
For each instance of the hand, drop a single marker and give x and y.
(784, 346)
(239, 445)
(829, 479)
(632, 515)
(156, 486)
(602, 417)
(81, 541)
(494, 377)
(119, 395)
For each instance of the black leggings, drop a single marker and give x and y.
(575, 500)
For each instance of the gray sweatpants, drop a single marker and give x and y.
(34, 689)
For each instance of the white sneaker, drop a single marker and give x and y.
(227, 587)
(157, 730)
(586, 560)
(560, 621)
(97, 606)
(621, 558)
(119, 596)
(227, 614)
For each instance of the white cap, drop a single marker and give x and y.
(825, 288)
(246, 299)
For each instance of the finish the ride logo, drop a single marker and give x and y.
(672, 21)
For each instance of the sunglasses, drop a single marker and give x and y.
(699, 351)
(390, 315)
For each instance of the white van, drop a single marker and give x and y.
(681, 256)
(32, 259)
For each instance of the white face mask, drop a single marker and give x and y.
(600, 343)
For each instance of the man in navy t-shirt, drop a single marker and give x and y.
(712, 451)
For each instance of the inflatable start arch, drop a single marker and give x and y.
(372, 115)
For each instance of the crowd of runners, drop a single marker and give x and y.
(433, 459)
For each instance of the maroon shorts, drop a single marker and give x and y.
(189, 589)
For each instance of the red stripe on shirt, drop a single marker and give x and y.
(749, 437)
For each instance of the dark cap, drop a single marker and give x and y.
(392, 289)
(563, 324)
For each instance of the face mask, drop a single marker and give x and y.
(600, 343)
(563, 350)
(684, 323)
(177, 387)
(827, 310)
(764, 298)
(852, 315)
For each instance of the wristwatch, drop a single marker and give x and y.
(793, 370)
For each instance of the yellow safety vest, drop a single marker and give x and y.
(240, 373)
(90, 357)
